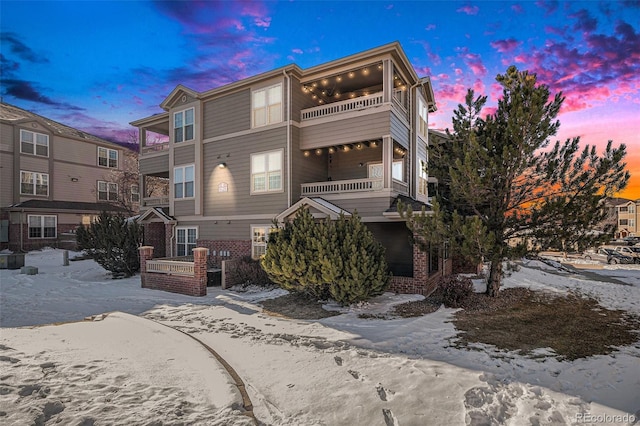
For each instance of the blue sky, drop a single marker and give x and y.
(97, 65)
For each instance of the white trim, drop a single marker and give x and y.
(107, 183)
(183, 112)
(267, 231)
(108, 151)
(323, 206)
(33, 177)
(267, 105)
(184, 182)
(186, 243)
(42, 227)
(34, 143)
(267, 190)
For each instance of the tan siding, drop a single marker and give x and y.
(305, 169)
(76, 151)
(236, 230)
(349, 130)
(85, 188)
(227, 114)
(6, 179)
(237, 200)
(299, 99)
(399, 131)
(6, 137)
(184, 154)
(184, 208)
(156, 164)
(346, 165)
(365, 206)
(32, 163)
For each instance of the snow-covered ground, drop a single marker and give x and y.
(129, 368)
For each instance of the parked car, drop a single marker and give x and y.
(631, 240)
(607, 255)
(633, 252)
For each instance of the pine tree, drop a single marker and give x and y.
(497, 178)
(112, 241)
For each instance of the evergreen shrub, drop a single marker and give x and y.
(112, 241)
(338, 259)
(455, 290)
(248, 272)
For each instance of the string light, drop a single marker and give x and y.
(307, 153)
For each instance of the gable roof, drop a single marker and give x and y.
(157, 212)
(323, 207)
(66, 205)
(13, 115)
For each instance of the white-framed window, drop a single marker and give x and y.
(266, 172)
(259, 239)
(183, 125)
(397, 171)
(34, 183)
(266, 106)
(34, 143)
(107, 157)
(42, 226)
(184, 181)
(422, 178)
(186, 238)
(632, 208)
(107, 191)
(135, 193)
(632, 223)
(423, 128)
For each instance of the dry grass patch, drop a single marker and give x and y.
(523, 320)
(296, 306)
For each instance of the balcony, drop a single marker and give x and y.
(356, 104)
(151, 202)
(341, 186)
(156, 147)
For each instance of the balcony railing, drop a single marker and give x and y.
(155, 202)
(156, 147)
(341, 186)
(355, 104)
(171, 267)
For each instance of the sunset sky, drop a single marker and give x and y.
(98, 65)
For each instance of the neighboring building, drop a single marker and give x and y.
(627, 215)
(345, 136)
(54, 178)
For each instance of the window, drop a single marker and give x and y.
(623, 209)
(183, 181)
(266, 172)
(422, 178)
(186, 241)
(135, 193)
(34, 143)
(107, 157)
(423, 128)
(88, 219)
(42, 226)
(623, 222)
(107, 191)
(632, 208)
(183, 125)
(632, 223)
(259, 238)
(32, 183)
(398, 170)
(266, 106)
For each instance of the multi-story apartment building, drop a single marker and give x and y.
(628, 216)
(54, 178)
(345, 136)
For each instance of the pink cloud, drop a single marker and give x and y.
(505, 46)
(469, 10)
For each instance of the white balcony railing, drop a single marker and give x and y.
(156, 147)
(354, 104)
(171, 267)
(155, 202)
(341, 186)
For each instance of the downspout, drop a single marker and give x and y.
(21, 230)
(289, 178)
(172, 239)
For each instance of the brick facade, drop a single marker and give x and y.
(155, 236)
(422, 282)
(27, 244)
(195, 285)
(221, 250)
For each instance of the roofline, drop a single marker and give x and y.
(152, 119)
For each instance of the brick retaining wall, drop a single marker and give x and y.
(195, 285)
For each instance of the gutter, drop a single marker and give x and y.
(289, 177)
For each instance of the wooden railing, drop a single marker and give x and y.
(399, 186)
(155, 202)
(341, 186)
(171, 267)
(156, 147)
(354, 104)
